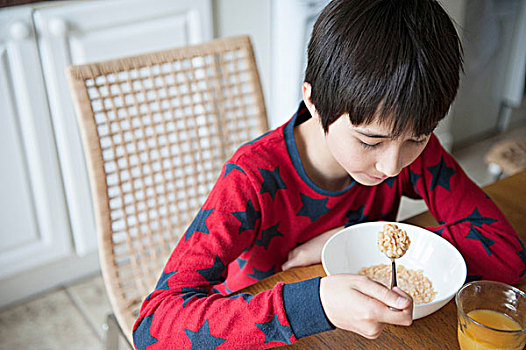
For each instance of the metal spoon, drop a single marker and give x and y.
(393, 273)
(393, 280)
(392, 234)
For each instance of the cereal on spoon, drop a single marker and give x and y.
(393, 241)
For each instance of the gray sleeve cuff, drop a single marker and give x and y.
(303, 308)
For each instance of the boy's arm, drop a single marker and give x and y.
(309, 253)
(467, 217)
(185, 311)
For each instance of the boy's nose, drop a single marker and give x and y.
(389, 164)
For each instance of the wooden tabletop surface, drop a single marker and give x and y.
(436, 331)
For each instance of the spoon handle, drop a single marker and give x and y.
(393, 280)
(393, 273)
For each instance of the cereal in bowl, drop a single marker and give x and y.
(414, 283)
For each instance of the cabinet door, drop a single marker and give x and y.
(98, 30)
(34, 227)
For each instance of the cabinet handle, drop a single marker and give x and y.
(19, 30)
(58, 27)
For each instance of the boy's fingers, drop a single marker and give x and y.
(291, 261)
(404, 299)
(395, 298)
(402, 313)
(287, 265)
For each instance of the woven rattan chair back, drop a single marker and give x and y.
(156, 130)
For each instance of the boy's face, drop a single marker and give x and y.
(368, 153)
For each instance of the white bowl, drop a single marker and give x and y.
(355, 247)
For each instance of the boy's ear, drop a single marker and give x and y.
(307, 90)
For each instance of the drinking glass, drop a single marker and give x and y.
(491, 316)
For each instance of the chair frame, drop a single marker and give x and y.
(125, 310)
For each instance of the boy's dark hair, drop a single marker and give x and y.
(398, 60)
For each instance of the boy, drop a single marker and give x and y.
(381, 74)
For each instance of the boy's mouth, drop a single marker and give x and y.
(377, 178)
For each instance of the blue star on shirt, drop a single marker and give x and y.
(441, 175)
(355, 216)
(260, 274)
(389, 216)
(190, 293)
(267, 235)
(476, 219)
(245, 296)
(231, 166)
(312, 207)
(275, 331)
(213, 274)
(227, 290)
(413, 177)
(522, 255)
(272, 182)
(162, 283)
(485, 241)
(390, 181)
(440, 231)
(199, 224)
(163, 280)
(241, 262)
(248, 217)
(202, 339)
(142, 336)
(472, 278)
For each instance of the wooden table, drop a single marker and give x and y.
(436, 331)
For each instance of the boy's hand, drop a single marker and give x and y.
(361, 305)
(309, 252)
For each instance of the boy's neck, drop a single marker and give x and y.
(318, 162)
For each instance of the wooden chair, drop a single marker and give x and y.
(156, 130)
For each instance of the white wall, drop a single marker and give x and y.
(252, 17)
(490, 41)
(456, 9)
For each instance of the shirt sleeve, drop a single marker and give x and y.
(467, 217)
(185, 311)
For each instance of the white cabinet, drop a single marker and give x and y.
(47, 222)
(34, 227)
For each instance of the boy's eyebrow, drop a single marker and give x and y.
(379, 136)
(372, 135)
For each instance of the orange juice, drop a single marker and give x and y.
(474, 337)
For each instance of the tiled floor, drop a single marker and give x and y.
(68, 318)
(72, 317)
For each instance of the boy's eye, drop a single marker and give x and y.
(418, 142)
(368, 145)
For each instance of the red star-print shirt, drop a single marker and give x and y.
(262, 206)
